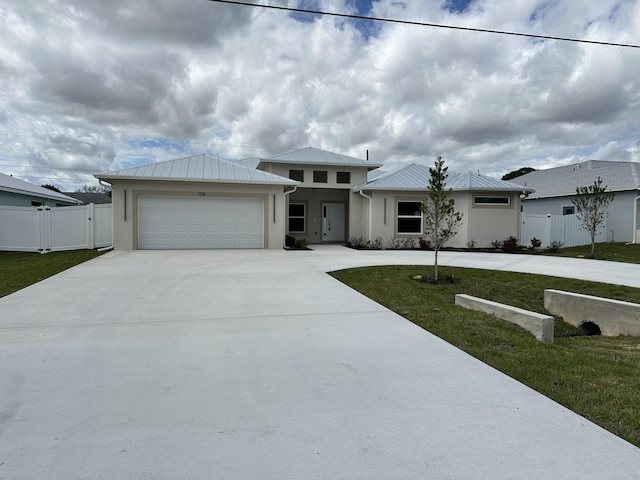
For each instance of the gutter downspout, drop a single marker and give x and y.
(635, 220)
(108, 247)
(370, 211)
(284, 205)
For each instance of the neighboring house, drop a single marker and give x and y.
(197, 202)
(555, 187)
(86, 198)
(490, 207)
(17, 193)
(324, 197)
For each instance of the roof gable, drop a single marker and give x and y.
(199, 168)
(316, 156)
(20, 187)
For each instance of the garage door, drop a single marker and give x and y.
(166, 222)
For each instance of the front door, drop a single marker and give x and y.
(333, 222)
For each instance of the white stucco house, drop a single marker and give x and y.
(205, 202)
(555, 187)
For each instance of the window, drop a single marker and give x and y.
(297, 175)
(569, 210)
(320, 176)
(343, 177)
(297, 217)
(491, 200)
(409, 217)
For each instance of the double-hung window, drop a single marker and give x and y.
(297, 217)
(409, 217)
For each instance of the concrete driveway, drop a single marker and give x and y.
(258, 365)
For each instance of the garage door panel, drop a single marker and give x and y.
(166, 222)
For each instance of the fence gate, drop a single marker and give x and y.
(46, 229)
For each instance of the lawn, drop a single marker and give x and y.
(19, 269)
(614, 252)
(597, 377)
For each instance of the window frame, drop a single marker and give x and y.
(293, 172)
(343, 173)
(297, 217)
(400, 217)
(320, 173)
(476, 203)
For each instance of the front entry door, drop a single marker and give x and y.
(333, 222)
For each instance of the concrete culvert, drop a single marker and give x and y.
(589, 328)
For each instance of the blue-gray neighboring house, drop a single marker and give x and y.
(555, 187)
(18, 193)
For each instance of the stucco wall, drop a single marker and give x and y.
(493, 222)
(482, 224)
(125, 212)
(358, 174)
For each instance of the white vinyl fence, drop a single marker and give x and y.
(46, 229)
(564, 229)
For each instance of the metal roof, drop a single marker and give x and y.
(90, 197)
(315, 156)
(13, 185)
(415, 176)
(562, 181)
(251, 162)
(199, 168)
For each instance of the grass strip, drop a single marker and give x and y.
(19, 269)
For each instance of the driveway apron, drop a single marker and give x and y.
(256, 364)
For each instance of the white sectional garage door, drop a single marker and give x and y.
(166, 222)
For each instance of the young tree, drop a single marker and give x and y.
(441, 220)
(591, 205)
(94, 189)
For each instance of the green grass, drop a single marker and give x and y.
(614, 252)
(19, 270)
(597, 377)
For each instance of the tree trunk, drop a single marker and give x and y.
(435, 276)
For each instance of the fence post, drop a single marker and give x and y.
(45, 232)
(91, 231)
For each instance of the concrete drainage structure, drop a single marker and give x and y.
(613, 317)
(541, 326)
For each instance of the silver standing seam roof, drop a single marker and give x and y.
(199, 168)
(316, 156)
(415, 177)
(13, 185)
(562, 181)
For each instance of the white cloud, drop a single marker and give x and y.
(90, 86)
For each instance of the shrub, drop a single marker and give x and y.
(409, 243)
(471, 243)
(361, 244)
(289, 241)
(535, 243)
(301, 244)
(510, 245)
(555, 246)
(497, 244)
(424, 244)
(395, 243)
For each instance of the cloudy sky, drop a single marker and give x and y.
(91, 85)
